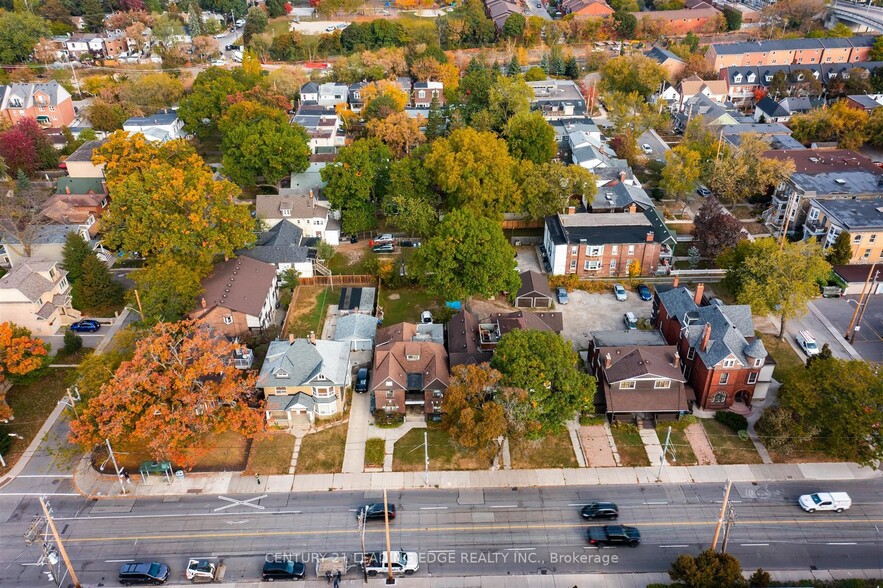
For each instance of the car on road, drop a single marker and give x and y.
(219, 62)
(600, 510)
(561, 293)
(143, 573)
(703, 191)
(402, 562)
(283, 570)
(232, 48)
(384, 248)
(808, 343)
(836, 501)
(647, 149)
(539, 5)
(375, 511)
(220, 35)
(620, 292)
(613, 535)
(630, 321)
(330, 29)
(644, 292)
(240, 22)
(85, 326)
(362, 380)
(342, 26)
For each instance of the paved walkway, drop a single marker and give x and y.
(357, 434)
(652, 445)
(596, 446)
(699, 443)
(573, 431)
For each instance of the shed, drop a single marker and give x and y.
(534, 291)
(359, 330)
(357, 300)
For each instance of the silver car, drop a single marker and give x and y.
(620, 292)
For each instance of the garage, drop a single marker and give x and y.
(534, 291)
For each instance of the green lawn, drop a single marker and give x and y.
(375, 450)
(341, 263)
(728, 448)
(271, 454)
(278, 26)
(630, 446)
(322, 452)
(554, 451)
(31, 405)
(787, 360)
(408, 455)
(683, 451)
(408, 305)
(228, 452)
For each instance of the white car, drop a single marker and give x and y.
(219, 62)
(836, 501)
(240, 22)
(330, 29)
(620, 292)
(646, 148)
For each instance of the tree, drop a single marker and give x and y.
(709, 569)
(876, 53)
(547, 189)
(715, 229)
(506, 98)
(382, 98)
(74, 253)
(626, 23)
(95, 290)
(26, 147)
(205, 46)
(201, 110)
(773, 278)
(760, 579)
(779, 86)
(355, 182)
(179, 388)
(546, 367)
(411, 205)
(399, 131)
(276, 8)
(530, 137)
(840, 253)
(154, 91)
(19, 33)
(473, 170)
(436, 123)
(23, 216)
(513, 68)
(57, 14)
(513, 28)
(739, 174)
(681, 172)
(166, 28)
(20, 354)
(633, 73)
(93, 15)
(194, 21)
(839, 122)
(469, 255)
(473, 417)
(167, 290)
(108, 116)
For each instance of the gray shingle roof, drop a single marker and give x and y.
(281, 244)
(283, 402)
(355, 326)
(24, 278)
(854, 215)
(771, 108)
(299, 363)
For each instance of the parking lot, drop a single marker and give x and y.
(586, 312)
(869, 338)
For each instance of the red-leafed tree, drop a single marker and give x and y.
(288, 8)
(179, 388)
(20, 354)
(26, 147)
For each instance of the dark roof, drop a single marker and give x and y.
(281, 244)
(534, 284)
(163, 117)
(463, 340)
(621, 338)
(606, 228)
(357, 299)
(770, 107)
(84, 152)
(854, 273)
(632, 362)
(853, 215)
(660, 55)
(672, 399)
(241, 284)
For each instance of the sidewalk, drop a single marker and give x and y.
(92, 484)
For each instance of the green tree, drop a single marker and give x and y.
(166, 28)
(876, 53)
(152, 92)
(435, 121)
(19, 33)
(356, 182)
(168, 290)
(201, 110)
(739, 174)
(838, 122)
(626, 23)
(194, 22)
(733, 18)
(513, 68)
(840, 253)
(473, 417)
(75, 251)
(93, 15)
(775, 279)
(530, 137)
(546, 367)
(633, 73)
(469, 255)
(411, 205)
(108, 116)
(276, 8)
(506, 98)
(547, 189)
(95, 291)
(709, 569)
(513, 28)
(681, 172)
(255, 23)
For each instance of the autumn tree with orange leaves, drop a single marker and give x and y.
(20, 354)
(179, 388)
(473, 416)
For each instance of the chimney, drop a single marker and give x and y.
(633, 208)
(706, 335)
(312, 199)
(650, 236)
(675, 283)
(204, 304)
(608, 361)
(67, 189)
(677, 359)
(700, 289)
(312, 337)
(622, 175)
(290, 338)
(571, 210)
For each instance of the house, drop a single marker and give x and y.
(866, 102)
(670, 62)
(48, 103)
(557, 99)
(721, 358)
(76, 200)
(282, 246)
(308, 212)
(161, 126)
(357, 330)
(788, 52)
(777, 134)
(322, 125)
(619, 196)
(534, 291)
(712, 113)
(328, 94)
(355, 95)
(36, 295)
(424, 93)
(79, 163)
(239, 297)
(819, 174)
(500, 10)
(637, 381)
(693, 86)
(409, 372)
(586, 8)
(857, 278)
(304, 377)
(464, 340)
(357, 300)
(607, 244)
(47, 242)
(669, 94)
(702, 19)
(862, 219)
(472, 340)
(769, 110)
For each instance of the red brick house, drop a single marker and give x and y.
(48, 103)
(721, 358)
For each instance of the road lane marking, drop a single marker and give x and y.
(39, 494)
(247, 502)
(754, 544)
(660, 502)
(521, 549)
(45, 476)
(841, 543)
(433, 508)
(117, 560)
(170, 515)
(505, 506)
(684, 545)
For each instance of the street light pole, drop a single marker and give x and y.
(61, 549)
(664, 453)
(116, 468)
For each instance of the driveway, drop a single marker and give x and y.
(527, 259)
(659, 147)
(869, 338)
(532, 9)
(586, 312)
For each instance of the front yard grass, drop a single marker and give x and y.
(375, 450)
(322, 452)
(785, 357)
(408, 305)
(630, 446)
(270, 454)
(729, 449)
(31, 405)
(228, 453)
(309, 309)
(683, 451)
(554, 451)
(408, 455)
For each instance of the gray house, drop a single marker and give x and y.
(358, 330)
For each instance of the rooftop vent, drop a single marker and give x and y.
(840, 181)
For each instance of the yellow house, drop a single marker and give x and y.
(862, 219)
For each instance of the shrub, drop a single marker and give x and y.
(588, 420)
(737, 422)
(760, 579)
(389, 421)
(72, 342)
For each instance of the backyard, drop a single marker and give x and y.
(729, 448)
(553, 451)
(309, 306)
(408, 455)
(629, 445)
(322, 452)
(406, 304)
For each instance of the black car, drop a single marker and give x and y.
(375, 511)
(362, 380)
(613, 535)
(600, 510)
(143, 573)
(283, 570)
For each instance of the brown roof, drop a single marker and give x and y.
(534, 284)
(819, 161)
(300, 205)
(669, 400)
(71, 208)
(399, 358)
(540, 321)
(853, 273)
(240, 284)
(640, 361)
(463, 340)
(683, 14)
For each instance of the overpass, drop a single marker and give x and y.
(868, 17)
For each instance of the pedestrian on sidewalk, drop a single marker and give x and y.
(258, 478)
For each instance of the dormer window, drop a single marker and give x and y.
(412, 357)
(15, 102)
(751, 77)
(282, 374)
(737, 78)
(228, 319)
(286, 212)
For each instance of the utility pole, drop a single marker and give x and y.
(390, 580)
(116, 468)
(61, 549)
(720, 520)
(871, 273)
(731, 520)
(426, 454)
(665, 450)
(861, 315)
(138, 300)
(362, 520)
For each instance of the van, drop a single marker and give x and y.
(630, 321)
(836, 501)
(237, 56)
(807, 343)
(143, 573)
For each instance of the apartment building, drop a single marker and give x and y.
(862, 219)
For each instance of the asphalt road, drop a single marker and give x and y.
(470, 532)
(542, 12)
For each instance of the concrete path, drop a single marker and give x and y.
(596, 446)
(507, 456)
(357, 434)
(294, 454)
(573, 430)
(612, 442)
(700, 445)
(652, 445)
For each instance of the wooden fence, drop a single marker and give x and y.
(339, 280)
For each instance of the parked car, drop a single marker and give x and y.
(644, 292)
(808, 343)
(402, 562)
(219, 62)
(362, 380)
(384, 237)
(561, 293)
(647, 149)
(409, 243)
(232, 48)
(836, 501)
(240, 22)
(375, 511)
(703, 191)
(426, 317)
(384, 248)
(620, 293)
(613, 535)
(600, 510)
(631, 322)
(143, 573)
(85, 326)
(283, 570)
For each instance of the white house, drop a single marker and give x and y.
(161, 127)
(306, 211)
(36, 295)
(329, 94)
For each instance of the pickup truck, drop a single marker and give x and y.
(403, 562)
(836, 501)
(613, 535)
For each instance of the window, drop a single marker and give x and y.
(612, 265)
(572, 265)
(630, 385)
(872, 238)
(286, 212)
(631, 249)
(51, 109)
(317, 222)
(614, 249)
(724, 379)
(758, 362)
(228, 319)
(40, 108)
(719, 398)
(421, 94)
(281, 390)
(867, 254)
(813, 213)
(323, 392)
(752, 377)
(592, 265)
(661, 384)
(390, 394)
(437, 394)
(856, 238)
(737, 78)
(574, 250)
(594, 251)
(691, 353)
(729, 362)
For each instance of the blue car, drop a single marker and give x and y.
(85, 326)
(644, 292)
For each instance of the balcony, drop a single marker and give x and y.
(814, 228)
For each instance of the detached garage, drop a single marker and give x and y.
(534, 291)
(358, 330)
